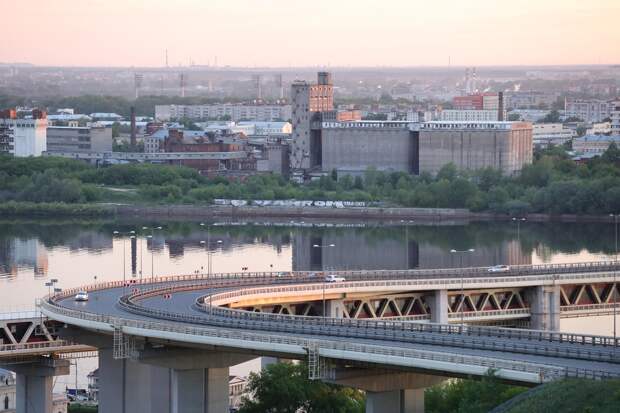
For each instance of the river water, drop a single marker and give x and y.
(80, 252)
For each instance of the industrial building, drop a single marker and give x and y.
(321, 143)
(505, 146)
(23, 136)
(79, 139)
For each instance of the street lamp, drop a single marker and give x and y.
(323, 283)
(152, 238)
(131, 236)
(614, 286)
(461, 253)
(518, 221)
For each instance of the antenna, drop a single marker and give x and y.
(166, 57)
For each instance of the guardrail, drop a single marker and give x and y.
(545, 372)
(47, 345)
(517, 270)
(589, 347)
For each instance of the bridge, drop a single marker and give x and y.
(166, 344)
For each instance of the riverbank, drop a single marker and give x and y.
(357, 213)
(58, 209)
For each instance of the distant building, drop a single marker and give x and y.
(506, 146)
(7, 392)
(79, 139)
(236, 389)
(308, 100)
(588, 110)
(601, 128)
(269, 128)
(615, 118)
(234, 112)
(531, 115)
(452, 115)
(113, 117)
(348, 115)
(545, 134)
(23, 136)
(93, 385)
(590, 144)
(529, 100)
(481, 101)
(67, 119)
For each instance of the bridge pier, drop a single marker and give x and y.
(388, 391)
(439, 306)
(545, 307)
(335, 308)
(395, 401)
(200, 391)
(35, 382)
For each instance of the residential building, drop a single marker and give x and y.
(615, 118)
(23, 136)
(234, 112)
(480, 101)
(93, 385)
(455, 115)
(268, 128)
(7, 392)
(545, 134)
(601, 128)
(529, 100)
(588, 110)
(236, 389)
(594, 143)
(79, 139)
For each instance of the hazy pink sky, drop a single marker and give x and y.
(311, 32)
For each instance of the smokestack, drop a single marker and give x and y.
(500, 106)
(133, 127)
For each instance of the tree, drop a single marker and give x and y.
(514, 117)
(551, 117)
(285, 388)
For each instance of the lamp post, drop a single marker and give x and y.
(615, 287)
(461, 253)
(323, 283)
(49, 286)
(518, 221)
(131, 236)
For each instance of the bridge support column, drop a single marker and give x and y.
(200, 390)
(127, 386)
(545, 307)
(396, 401)
(439, 306)
(335, 308)
(388, 391)
(35, 383)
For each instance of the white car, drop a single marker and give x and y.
(81, 296)
(333, 278)
(499, 268)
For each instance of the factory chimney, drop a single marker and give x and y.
(133, 127)
(500, 106)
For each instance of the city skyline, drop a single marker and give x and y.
(276, 34)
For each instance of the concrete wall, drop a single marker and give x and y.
(356, 149)
(506, 150)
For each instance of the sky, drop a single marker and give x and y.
(282, 33)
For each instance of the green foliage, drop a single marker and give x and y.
(285, 388)
(82, 408)
(552, 184)
(572, 396)
(468, 396)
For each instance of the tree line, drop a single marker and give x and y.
(553, 183)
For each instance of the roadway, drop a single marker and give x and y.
(521, 355)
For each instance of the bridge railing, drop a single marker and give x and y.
(545, 372)
(516, 270)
